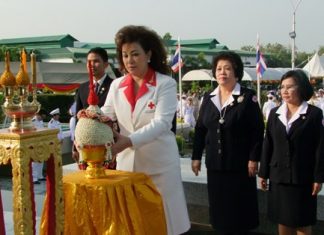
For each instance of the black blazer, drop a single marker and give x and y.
(296, 157)
(229, 146)
(83, 92)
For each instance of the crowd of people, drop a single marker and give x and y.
(188, 107)
(229, 130)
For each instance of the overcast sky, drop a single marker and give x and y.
(234, 23)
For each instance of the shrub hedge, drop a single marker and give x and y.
(48, 103)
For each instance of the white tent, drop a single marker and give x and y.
(315, 67)
(249, 74)
(270, 74)
(198, 75)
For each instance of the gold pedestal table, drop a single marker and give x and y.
(20, 149)
(123, 203)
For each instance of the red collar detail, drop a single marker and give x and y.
(149, 78)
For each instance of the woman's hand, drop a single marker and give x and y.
(316, 188)
(263, 184)
(253, 168)
(122, 142)
(75, 155)
(196, 166)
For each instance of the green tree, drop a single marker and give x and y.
(278, 55)
(302, 59)
(196, 62)
(14, 53)
(321, 50)
(167, 37)
(248, 48)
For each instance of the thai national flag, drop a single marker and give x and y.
(176, 62)
(260, 64)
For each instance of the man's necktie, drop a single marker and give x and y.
(96, 87)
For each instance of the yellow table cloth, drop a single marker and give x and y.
(123, 203)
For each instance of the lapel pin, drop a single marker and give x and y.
(150, 105)
(240, 99)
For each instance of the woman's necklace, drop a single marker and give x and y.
(222, 116)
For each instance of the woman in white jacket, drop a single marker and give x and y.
(144, 103)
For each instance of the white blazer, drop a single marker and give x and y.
(155, 151)
(148, 126)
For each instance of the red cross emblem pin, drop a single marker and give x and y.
(151, 105)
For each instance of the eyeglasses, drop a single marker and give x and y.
(288, 88)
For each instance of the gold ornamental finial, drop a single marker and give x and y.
(22, 78)
(7, 78)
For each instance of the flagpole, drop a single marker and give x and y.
(258, 76)
(180, 91)
(259, 89)
(260, 69)
(180, 79)
(176, 65)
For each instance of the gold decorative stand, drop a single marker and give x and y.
(21, 148)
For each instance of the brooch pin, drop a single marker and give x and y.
(150, 106)
(255, 99)
(240, 99)
(102, 90)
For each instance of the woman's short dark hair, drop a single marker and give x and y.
(304, 88)
(149, 41)
(234, 59)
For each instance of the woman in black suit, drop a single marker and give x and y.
(230, 127)
(293, 157)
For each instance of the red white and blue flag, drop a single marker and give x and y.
(260, 64)
(176, 62)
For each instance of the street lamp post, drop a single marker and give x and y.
(292, 34)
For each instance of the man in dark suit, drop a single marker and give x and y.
(99, 61)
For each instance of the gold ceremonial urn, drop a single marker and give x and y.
(95, 157)
(16, 92)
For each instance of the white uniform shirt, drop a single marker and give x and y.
(38, 123)
(268, 105)
(53, 124)
(282, 111)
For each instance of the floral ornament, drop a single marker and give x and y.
(240, 99)
(82, 165)
(109, 164)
